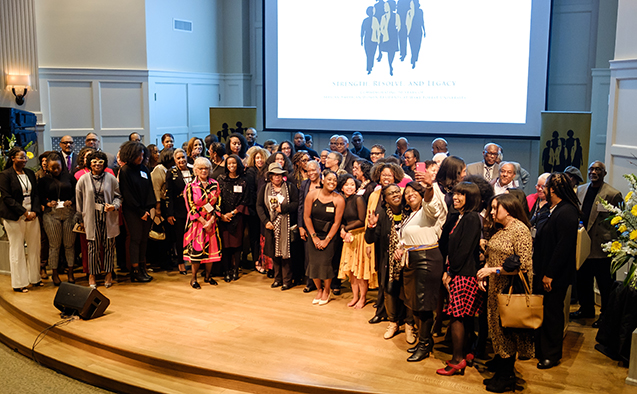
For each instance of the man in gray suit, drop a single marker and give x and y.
(597, 265)
(487, 168)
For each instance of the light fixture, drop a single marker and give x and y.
(18, 82)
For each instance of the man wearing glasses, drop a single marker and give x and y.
(93, 140)
(342, 147)
(69, 158)
(488, 168)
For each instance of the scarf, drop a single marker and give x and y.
(395, 266)
(280, 221)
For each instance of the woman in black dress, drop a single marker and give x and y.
(234, 206)
(311, 183)
(465, 299)
(176, 212)
(322, 216)
(277, 204)
(255, 177)
(139, 199)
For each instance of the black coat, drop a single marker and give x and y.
(555, 245)
(11, 197)
(175, 185)
(264, 214)
(464, 245)
(364, 153)
(379, 236)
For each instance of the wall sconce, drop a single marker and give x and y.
(18, 82)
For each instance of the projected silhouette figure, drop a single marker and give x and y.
(402, 8)
(415, 23)
(240, 129)
(546, 158)
(569, 148)
(389, 25)
(556, 158)
(379, 10)
(577, 155)
(367, 38)
(223, 133)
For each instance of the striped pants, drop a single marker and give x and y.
(100, 242)
(58, 225)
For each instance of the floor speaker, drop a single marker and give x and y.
(83, 301)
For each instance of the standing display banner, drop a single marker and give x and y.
(227, 120)
(565, 141)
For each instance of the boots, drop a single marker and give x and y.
(55, 277)
(142, 271)
(504, 379)
(70, 276)
(136, 275)
(235, 274)
(421, 350)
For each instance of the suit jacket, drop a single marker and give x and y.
(11, 196)
(555, 246)
(599, 229)
(175, 185)
(73, 162)
(477, 168)
(348, 162)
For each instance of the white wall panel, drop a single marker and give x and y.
(626, 115)
(71, 106)
(122, 106)
(202, 97)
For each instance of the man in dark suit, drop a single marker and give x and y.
(342, 147)
(358, 149)
(94, 141)
(488, 168)
(597, 265)
(299, 146)
(251, 137)
(69, 158)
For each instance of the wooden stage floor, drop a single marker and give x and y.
(246, 337)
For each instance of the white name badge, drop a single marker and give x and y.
(60, 205)
(360, 192)
(26, 200)
(143, 174)
(238, 189)
(280, 198)
(208, 207)
(329, 209)
(99, 207)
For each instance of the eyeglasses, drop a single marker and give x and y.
(376, 153)
(97, 161)
(491, 154)
(67, 142)
(340, 144)
(91, 140)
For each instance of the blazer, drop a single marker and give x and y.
(289, 208)
(599, 229)
(555, 246)
(11, 197)
(175, 185)
(73, 162)
(364, 153)
(477, 168)
(349, 162)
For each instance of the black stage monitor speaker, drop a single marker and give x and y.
(83, 301)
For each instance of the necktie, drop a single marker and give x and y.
(68, 162)
(488, 173)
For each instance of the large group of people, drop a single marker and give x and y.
(435, 237)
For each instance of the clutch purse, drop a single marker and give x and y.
(521, 310)
(295, 235)
(157, 231)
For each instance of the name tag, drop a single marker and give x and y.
(208, 207)
(143, 174)
(360, 192)
(60, 205)
(27, 200)
(329, 209)
(99, 207)
(600, 208)
(238, 189)
(280, 198)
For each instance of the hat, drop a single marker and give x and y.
(575, 173)
(275, 168)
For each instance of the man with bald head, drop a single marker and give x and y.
(342, 147)
(92, 140)
(439, 145)
(299, 146)
(488, 168)
(401, 147)
(69, 158)
(597, 265)
(251, 137)
(506, 180)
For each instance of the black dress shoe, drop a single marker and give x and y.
(276, 284)
(286, 287)
(580, 314)
(307, 289)
(196, 285)
(270, 274)
(421, 352)
(546, 364)
(375, 306)
(227, 278)
(377, 319)
(336, 291)
(212, 281)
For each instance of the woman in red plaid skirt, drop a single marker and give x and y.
(465, 299)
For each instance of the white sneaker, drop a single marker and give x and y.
(392, 329)
(410, 337)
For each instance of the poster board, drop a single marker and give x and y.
(227, 120)
(564, 141)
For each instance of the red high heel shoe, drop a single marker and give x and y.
(455, 369)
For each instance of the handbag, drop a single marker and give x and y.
(157, 231)
(295, 235)
(521, 310)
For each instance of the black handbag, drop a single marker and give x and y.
(295, 235)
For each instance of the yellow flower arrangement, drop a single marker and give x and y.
(634, 211)
(628, 196)
(616, 247)
(616, 220)
(633, 235)
(622, 228)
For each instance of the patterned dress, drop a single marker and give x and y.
(202, 246)
(515, 238)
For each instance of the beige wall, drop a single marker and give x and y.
(625, 44)
(91, 34)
